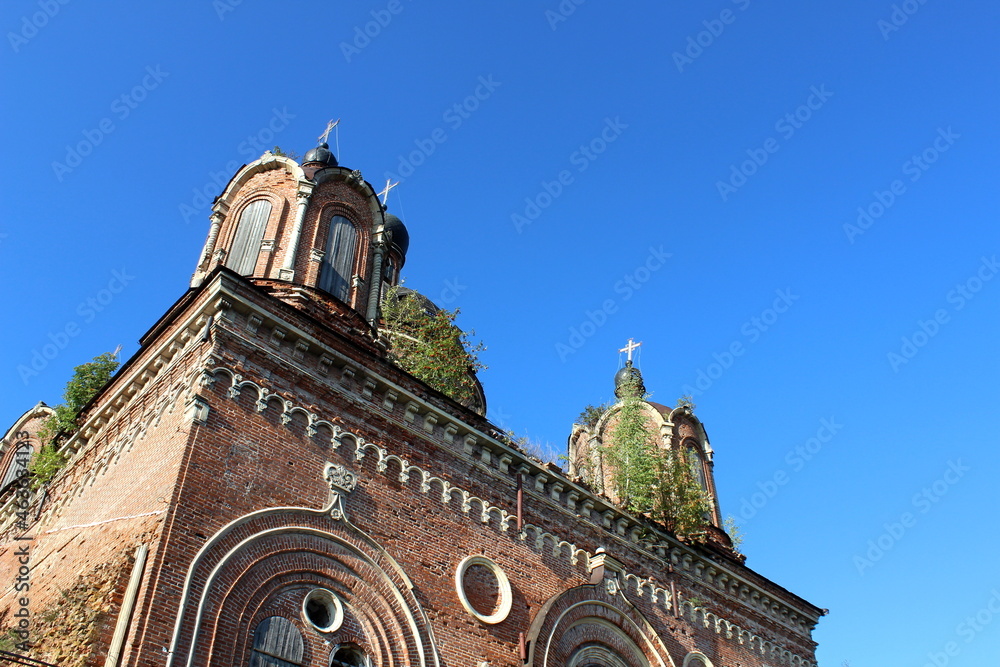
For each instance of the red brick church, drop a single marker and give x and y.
(260, 485)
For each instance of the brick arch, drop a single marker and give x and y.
(589, 621)
(265, 562)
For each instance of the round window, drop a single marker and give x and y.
(323, 610)
(483, 589)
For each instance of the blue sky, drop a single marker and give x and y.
(791, 204)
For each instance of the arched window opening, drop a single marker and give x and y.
(338, 261)
(18, 464)
(249, 233)
(389, 271)
(696, 659)
(276, 643)
(599, 655)
(697, 465)
(349, 655)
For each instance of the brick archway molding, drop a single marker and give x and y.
(593, 615)
(232, 576)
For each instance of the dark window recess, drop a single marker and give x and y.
(389, 270)
(319, 613)
(348, 656)
(338, 261)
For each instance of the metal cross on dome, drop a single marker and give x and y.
(330, 124)
(632, 345)
(389, 185)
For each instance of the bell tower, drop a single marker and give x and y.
(675, 430)
(314, 234)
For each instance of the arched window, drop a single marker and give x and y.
(243, 254)
(697, 464)
(389, 270)
(338, 261)
(18, 464)
(696, 659)
(348, 655)
(276, 643)
(600, 655)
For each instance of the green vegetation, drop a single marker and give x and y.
(649, 480)
(592, 414)
(290, 154)
(632, 452)
(681, 504)
(685, 400)
(734, 532)
(427, 344)
(87, 380)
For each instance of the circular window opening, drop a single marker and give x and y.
(323, 610)
(483, 589)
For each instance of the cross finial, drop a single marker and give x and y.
(632, 345)
(330, 124)
(389, 185)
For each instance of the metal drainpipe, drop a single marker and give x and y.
(128, 604)
(382, 240)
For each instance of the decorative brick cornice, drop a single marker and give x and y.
(576, 500)
(535, 537)
(688, 562)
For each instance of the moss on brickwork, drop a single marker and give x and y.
(67, 631)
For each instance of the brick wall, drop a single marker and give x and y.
(213, 446)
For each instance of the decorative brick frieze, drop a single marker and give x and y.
(620, 525)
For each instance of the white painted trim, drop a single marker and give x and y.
(337, 617)
(506, 596)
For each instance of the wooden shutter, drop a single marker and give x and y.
(338, 262)
(276, 643)
(249, 233)
(17, 464)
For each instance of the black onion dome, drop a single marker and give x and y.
(320, 154)
(624, 375)
(400, 237)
